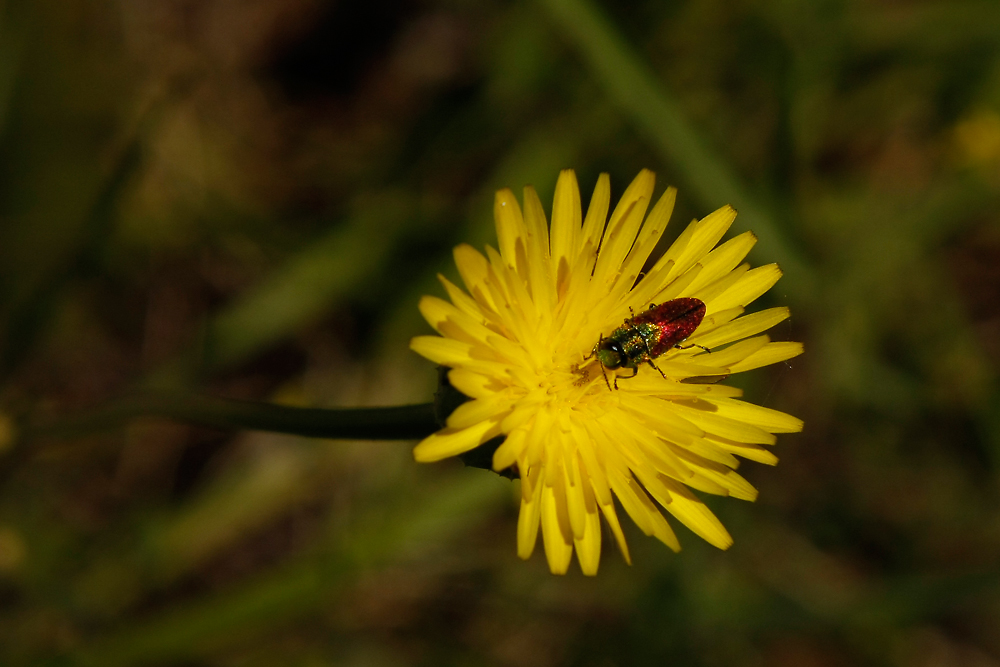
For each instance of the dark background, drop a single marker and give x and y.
(247, 198)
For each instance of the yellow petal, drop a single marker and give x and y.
(771, 353)
(649, 383)
(690, 511)
(493, 408)
(527, 522)
(643, 511)
(734, 484)
(724, 259)
(650, 234)
(624, 226)
(575, 502)
(752, 285)
(558, 541)
(705, 234)
(728, 356)
(699, 481)
(522, 413)
(594, 470)
(668, 290)
(509, 223)
(451, 322)
(741, 328)
(745, 450)
(440, 350)
(471, 264)
(641, 188)
(534, 220)
(472, 384)
(704, 453)
(451, 442)
(567, 217)
(719, 286)
(588, 546)
(597, 214)
(732, 429)
(512, 449)
(770, 420)
(611, 516)
(664, 266)
(714, 320)
(540, 276)
(462, 301)
(660, 418)
(651, 447)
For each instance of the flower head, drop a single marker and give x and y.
(522, 343)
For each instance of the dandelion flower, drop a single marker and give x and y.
(521, 341)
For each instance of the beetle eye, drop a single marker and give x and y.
(610, 355)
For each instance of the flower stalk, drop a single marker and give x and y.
(405, 422)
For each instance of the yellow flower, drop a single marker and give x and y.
(520, 343)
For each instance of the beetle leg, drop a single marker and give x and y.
(593, 351)
(650, 362)
(688, 347)
(604, 372)
(649, 359)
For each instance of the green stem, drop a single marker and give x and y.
(406, 422)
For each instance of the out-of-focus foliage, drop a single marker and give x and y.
(247, 199)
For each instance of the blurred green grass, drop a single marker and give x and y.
(248, 200)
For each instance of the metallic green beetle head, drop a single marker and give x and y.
(610, 353)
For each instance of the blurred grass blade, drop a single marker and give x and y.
(12, 39)
(330, 269)
(305, 589)
(632, 85)
(32, 312)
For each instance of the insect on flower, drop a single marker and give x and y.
(548, 295)
(649, 334)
